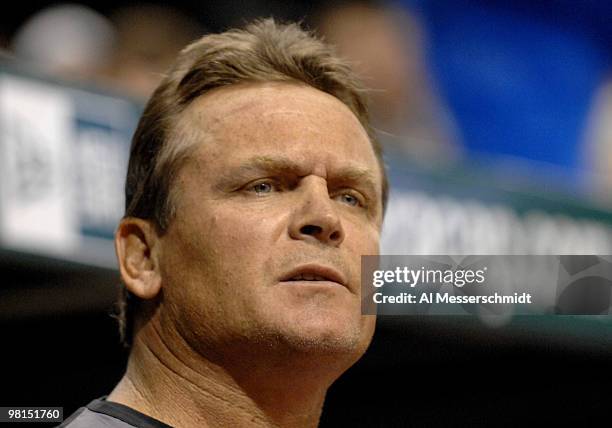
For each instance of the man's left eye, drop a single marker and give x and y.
(349, 199)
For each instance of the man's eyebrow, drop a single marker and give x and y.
(355, 174)
(270, 163)
(257, 164)
(265, 164)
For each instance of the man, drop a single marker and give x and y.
(253, 189)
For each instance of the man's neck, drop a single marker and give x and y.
(190, 391)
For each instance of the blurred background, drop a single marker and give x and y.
(496, 118)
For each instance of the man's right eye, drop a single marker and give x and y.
(262, 187)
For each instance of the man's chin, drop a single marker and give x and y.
(326, 338)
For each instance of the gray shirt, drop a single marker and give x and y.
(106, 414)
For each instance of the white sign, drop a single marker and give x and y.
(37, 187)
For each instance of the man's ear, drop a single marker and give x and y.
(135, 243)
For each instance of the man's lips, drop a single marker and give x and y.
(314, 273)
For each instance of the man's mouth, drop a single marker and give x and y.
(307, 277)
(316, 274)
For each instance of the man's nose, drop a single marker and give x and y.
(315, 217)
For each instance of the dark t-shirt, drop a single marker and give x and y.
(106, 414)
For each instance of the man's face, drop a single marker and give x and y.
(273, 211)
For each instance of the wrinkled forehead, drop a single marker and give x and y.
(284, 116)
(266, 101)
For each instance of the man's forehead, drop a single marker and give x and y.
(266, 101)
(238, 118)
